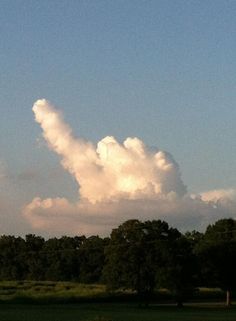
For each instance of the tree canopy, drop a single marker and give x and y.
(139, 256)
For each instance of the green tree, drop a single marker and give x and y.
(181, 268)
(12, 262)
(135, 255)
(62, 258)
(33, 257)
(91, 258)
(217, 255)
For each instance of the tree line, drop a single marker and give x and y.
(141, 256)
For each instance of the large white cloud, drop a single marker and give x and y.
(118, 181)
(59, 216)
(109, 170)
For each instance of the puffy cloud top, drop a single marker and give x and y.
(110, 170)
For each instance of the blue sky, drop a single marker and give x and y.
(163, 71)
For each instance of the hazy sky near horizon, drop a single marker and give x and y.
(163, 71)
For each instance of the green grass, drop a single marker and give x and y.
(46, 291)
(113, 312)
(45, 301)
(71, 292)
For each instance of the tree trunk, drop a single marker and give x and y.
(228, 298)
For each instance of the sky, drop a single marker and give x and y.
(162, 72)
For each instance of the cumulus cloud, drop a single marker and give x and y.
(219, 195)
(116, 181)
(109, 170)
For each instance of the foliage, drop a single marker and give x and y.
(180, 274)
(217, 255)
(63, 259)
(136, 255)
(139, 257)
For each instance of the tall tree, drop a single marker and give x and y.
(62, 258)
(217, 254)
(91, 258)
(180, 274)
(33, 257)
(135, 255)
(12, 260)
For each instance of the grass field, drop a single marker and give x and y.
(112, 312)
(68, 301)
(47, 291)
(71, 292)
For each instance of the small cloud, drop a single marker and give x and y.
(219, 195)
